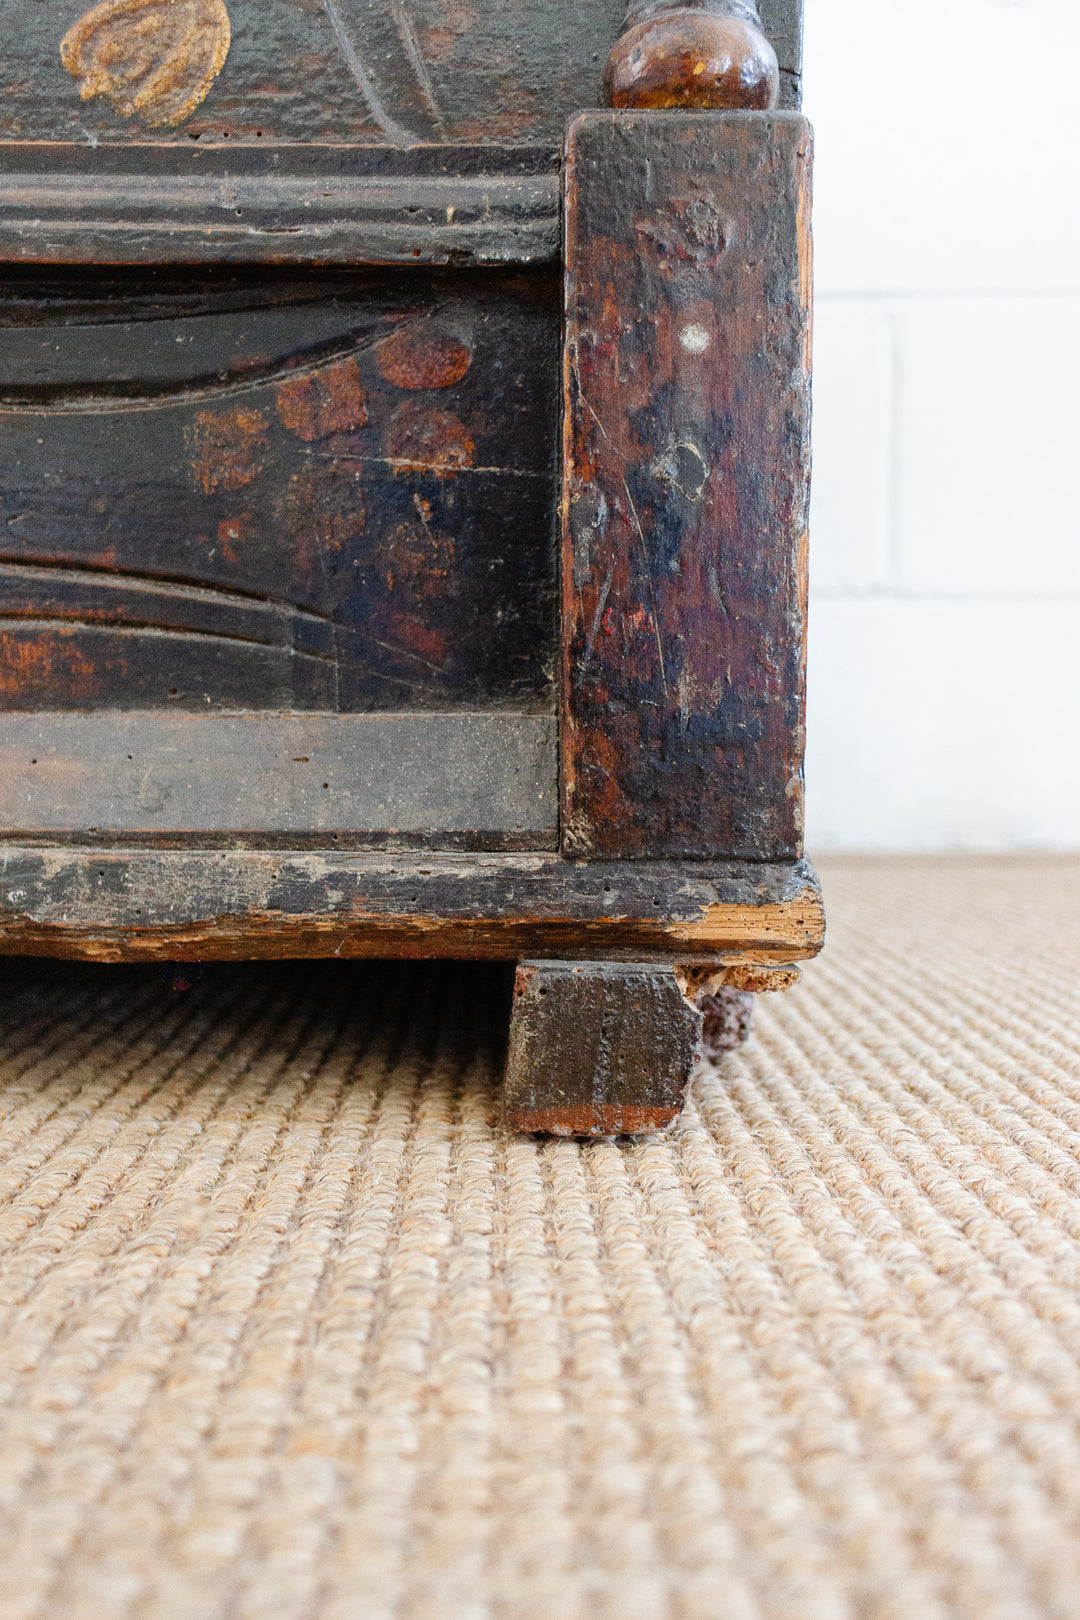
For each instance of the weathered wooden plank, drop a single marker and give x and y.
(598, 1048)
(685, 484)
(69, 203)
(303, 493)
(488, 780)
(128, 905)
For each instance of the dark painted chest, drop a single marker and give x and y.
(391, 484)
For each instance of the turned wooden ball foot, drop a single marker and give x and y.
(693, 58)
(728, 1020)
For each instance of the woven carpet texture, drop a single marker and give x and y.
(290, 1329)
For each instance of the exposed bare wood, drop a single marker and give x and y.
(191, 904)
(706, 979)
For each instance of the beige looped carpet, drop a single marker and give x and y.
(290, 1328)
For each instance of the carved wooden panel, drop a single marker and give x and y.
(302, 70)
(331, 493)
(397, 71)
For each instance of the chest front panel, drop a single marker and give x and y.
(285, 493)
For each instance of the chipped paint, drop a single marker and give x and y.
(50, 661)
(226, 446)
(323, 402)
(592, 1119)
(684, 614)
(422, 356)
(427, 439)
(416, 559)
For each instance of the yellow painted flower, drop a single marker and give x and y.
(157, 58)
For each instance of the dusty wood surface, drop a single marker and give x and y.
(299, 143)
(249, 490)
(597, 1048)
(318, 71)
(480, 781)
(686, 469)
(252, 71)
(68, 202)
(129, 905)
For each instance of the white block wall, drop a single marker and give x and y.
(945, 543)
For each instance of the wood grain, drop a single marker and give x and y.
(686, 474)
(231, 903)
(597, 1048)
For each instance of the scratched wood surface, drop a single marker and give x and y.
(395, 71)
(312, 70)
(686, 468)
(331, 493)
(211, 904)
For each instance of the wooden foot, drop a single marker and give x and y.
(598, 1048)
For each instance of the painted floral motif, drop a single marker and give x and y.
(157, 58)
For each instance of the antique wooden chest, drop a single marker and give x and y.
(403, 485)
